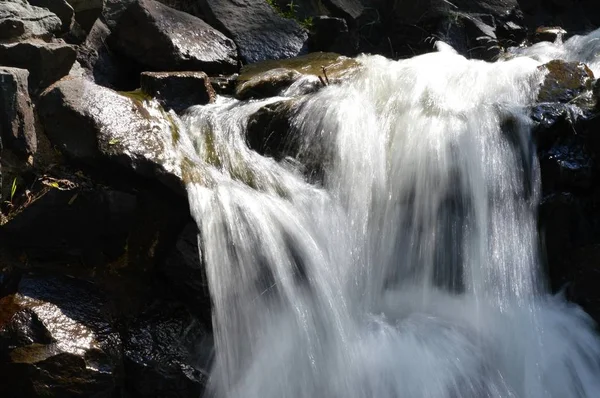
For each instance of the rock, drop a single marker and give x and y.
(332, 34)
(178, 90)
(267, 84)
(107, 130)
(17, 124)
(165, 39)
(583, 278)
(270, 78)
(567, 166)
(565, 81)
(269, 130)
(551, 34)
(257, 30)
(20, 21)
(167, 353)
(103, 66)
(184, 269)
(350, 10)
(86, 12)
(46, 62)
(61, 8)
(56, 339)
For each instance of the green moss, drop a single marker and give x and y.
(290, 11)
(137, 95)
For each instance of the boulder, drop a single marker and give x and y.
(267, 84)
(19, 21)
(167, 353)
(164, 39)
(102, 65)
(61, 8)
(259, 32)
(108, 130)
(46, 62)
(178, 90)
(57, 339)
(17, 124)
(86, 12)
(565, 81)
(269, 130)
(567, 166)
(332, 34)
(551, 34)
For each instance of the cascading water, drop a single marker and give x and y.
(410, 269)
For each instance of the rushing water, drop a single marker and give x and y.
(410, 267)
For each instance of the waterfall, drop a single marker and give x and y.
(408, 266)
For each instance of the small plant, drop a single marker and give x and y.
(13, 189)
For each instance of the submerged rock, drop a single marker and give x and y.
(257, 30)
(269, 130)
(105, 129)
(162, 38)
(56, 339)
(20, 20)
(17, 129)
(178, 90)
(46, 62)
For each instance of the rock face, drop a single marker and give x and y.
(46, 62)
(56, 338)
(20, 20)
(565, 81)
(102, 128)
(17, 129)
(165, 39)
(178, 90)
(259, 32)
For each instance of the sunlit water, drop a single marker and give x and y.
(410, 268)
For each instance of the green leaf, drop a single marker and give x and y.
(114, 141)
(13, 189)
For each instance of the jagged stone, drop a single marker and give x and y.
(61, 8)
(17, 124)
(19, 21)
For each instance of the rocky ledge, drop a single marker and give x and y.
(102, 289)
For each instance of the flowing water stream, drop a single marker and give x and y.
(410, 267)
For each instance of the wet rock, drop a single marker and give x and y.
(259, 32)
(165, 39)
(267, 84)
(46, 62)
(565, 81)
(332, 34)
(567, 166)
(348, 9)
(167, 353)
(269, 130)
(17, 129)
(184, 270)
(20, 20)
(107, 130)
(61, 8)
(551, 34)
(57, 339)
(178, 90)
(583, 278)
(270, 78)
(103, 66)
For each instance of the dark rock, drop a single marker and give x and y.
(565, 81)
(167, 353)
(348, 9)
(269, 130)
(17, 129)
(184, 270)
(178, 90)
(551, 34)
(61, 8)
(46, 62)
(583, 277)
(57, 339)
(165, 39)
(567, 166)
(20, 21)
(224, 85)
(102, 65)
(104, 129)
(257, 30)
(86, 12)
(332, 34)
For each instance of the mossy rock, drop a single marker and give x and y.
(565, 81)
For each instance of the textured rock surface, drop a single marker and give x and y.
(259, 32)
(162, 38)
(17, 129)
(46, 62)
(61, 8)
(178, 90)
(100, 127)
(20, 20)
